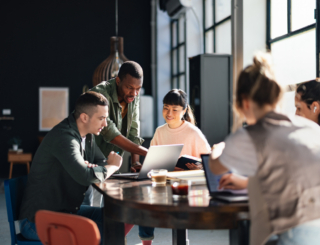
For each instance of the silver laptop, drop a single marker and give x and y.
(158, 157)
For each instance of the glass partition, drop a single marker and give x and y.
(178, 52)
(217, 26)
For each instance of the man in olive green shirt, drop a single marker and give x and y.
(66, 163)
(122, 132)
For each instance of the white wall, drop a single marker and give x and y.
(254, 29)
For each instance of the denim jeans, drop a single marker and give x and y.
(146, 233)
(88, 198)
(305, 234)
(28, 229)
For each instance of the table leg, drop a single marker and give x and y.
(179, 237)
(240, 236)
(10, 172)
(28, 167)
(113, 232)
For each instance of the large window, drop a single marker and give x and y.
(291, 37)
(217, 26)
(178, 53)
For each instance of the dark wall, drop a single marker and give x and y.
(59, 44)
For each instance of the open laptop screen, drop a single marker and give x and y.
(213, 180)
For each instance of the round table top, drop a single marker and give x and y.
(142, 193)
(138, 202)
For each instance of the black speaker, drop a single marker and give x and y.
(211, 94)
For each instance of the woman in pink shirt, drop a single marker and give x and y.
(180, 127)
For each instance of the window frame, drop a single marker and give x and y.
(291, 33)
(176, 48)
(213, 26)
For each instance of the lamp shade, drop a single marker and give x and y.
(109, 68)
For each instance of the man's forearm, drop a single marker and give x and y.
(135, 158)
(129, 146)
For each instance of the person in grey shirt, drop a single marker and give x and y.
(66, 163)
(281, 157)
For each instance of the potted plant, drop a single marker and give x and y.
(15, 142)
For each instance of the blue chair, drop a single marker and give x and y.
(14, 189)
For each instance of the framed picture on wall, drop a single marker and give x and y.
(53, 106)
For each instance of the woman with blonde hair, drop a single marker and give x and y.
(281, 157)
(307, 103)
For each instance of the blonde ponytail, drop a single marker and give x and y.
(257, 82)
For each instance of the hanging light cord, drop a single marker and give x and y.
(116, 18)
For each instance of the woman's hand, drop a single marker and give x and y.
(193, 166)
(178, 169)
(233, 181)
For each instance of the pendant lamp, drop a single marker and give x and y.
(109, 68)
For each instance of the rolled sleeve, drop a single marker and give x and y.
(110, 132)
(101, 173)
(137, 140)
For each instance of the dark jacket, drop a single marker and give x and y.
(59, 178)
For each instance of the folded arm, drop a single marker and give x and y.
(67, 150)
(113, 163)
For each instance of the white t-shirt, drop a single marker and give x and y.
(239, 154)
(83, 142)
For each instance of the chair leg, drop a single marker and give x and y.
(28, 167)
(10, 172)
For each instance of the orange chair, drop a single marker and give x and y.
(55, 228)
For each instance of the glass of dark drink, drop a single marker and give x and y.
(180, 188)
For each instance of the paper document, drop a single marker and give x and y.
(195, 176)
(188, 173)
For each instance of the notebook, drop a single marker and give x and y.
(213, 184)
(184, 159)
(158, 157)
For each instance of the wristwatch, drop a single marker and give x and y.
(135, 164)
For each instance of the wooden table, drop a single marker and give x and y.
(137, 202)
(21, 158)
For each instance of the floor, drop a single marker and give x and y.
(162, 236)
